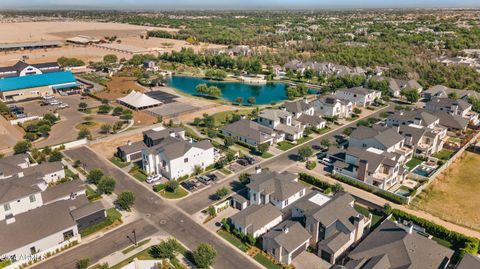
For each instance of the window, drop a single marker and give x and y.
(6, 207)
(286, 202)
(185, 160)
(67, 235)
(32, 198)
(33, 250)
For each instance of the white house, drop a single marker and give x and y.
(333, 107)
(256, 220)
(304, 113)
(174, 157)
(19, 195)
(359, 96)
(281, 121)
(279, 189)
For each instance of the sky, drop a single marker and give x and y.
(238, 4)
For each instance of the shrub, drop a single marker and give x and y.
(126, 199)
(310, 165)
(315, 181)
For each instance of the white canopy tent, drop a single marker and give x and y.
(138, 100)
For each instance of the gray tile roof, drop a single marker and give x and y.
(289, 235)
(404, 250)
(159, 134)
(250, 130)
(387, 137)
(469, 262)
(44, 168)
(296, 106)
(338, 209)
(62, 190)
(87, 210)
(174, 148)
(10, 165)
(274, 114)
(452, 121)
(448, 103)
(374, 160)
(310, 120)
(15, 188)
(422, 115)
(255, 217)
(357, 90)
(279, 185)
(134, 147)
(37, 224)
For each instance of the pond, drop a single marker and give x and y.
(263, 93)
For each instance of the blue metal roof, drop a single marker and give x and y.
(32, 81)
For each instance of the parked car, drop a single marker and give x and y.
(153, 178)
(48, 97)
(189, 185)
(53, 102)
(249, 159)
(326, 161)
(62, 105)
(321, 155)
(242, 162)
(212, 177)
(205, 180)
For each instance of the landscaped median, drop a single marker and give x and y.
(286, 145)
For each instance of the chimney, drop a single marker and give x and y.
(362, 170)
(258, 169)
(129, 143)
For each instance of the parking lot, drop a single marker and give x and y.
(201, 182)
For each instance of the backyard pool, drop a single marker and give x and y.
(264, 93)
(424, 170)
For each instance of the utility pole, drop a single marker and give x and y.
(134, 237)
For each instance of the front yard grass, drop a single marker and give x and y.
(452, 196)
(413, 162)
(444, 154)
(266, 262)
(225, 171)
(113, 219)
(118, 162)
(232, 240)
(179, 193)
(220, 117)
(266, 155)
(137, 173)
(285, 145)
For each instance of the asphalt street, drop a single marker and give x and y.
(154, 210)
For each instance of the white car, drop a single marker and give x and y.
(54, 102)
(326, 161)
(47, 97)
(153, 178)
(62, 105)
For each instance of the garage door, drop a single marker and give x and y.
(298, 251)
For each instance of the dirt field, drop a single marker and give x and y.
(119, 87)
(59, 31)
(108, 148)
(454, 195)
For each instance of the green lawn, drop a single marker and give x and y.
(232, 240)
(263, 260)
(118, 162)
(131, 248)
(376, 217)
(69, 173)
(266, 155)
(179, 193)
(443, 242)
(91, 194)
(220, 117)
(303, 140)
(113, 216)
(225, 171)
(413, 162)
(444, 154)
(284, 145)
(138, 175)
(5, 263)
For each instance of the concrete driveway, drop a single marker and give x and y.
(307, 260)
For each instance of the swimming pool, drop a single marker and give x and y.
(424, 171)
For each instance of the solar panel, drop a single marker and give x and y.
(164, 97)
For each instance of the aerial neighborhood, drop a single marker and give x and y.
(226, 137)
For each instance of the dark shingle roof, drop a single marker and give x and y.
(255, 217)
(289, 235)
(404, 250)
(249, 129)
(279, 185)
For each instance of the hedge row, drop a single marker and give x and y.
(461, 243)
(357, 183)
(315, 181)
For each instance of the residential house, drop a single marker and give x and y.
(174, 157)
(395, 86)
(281, 121)
(132, 151)
(256, 220)
(418, 117)
(424, 141)
(19, 195)
(382, 138)
(50, 172)
(391, 246)
(370, 165)
(441, 91)
(304, 113)
(286, 241)
(332, 106)
(13, 165)
(251, 132)
(279, 189)
(359, 96)
(334, 225)
(453, 107)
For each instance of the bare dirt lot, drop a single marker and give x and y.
(453, 196)
(128, 34)
(109, 147)
(119, 86)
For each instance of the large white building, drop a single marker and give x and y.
(174, 157)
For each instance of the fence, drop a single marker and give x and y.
(446, 165)
(22, 120)
(72, 144)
